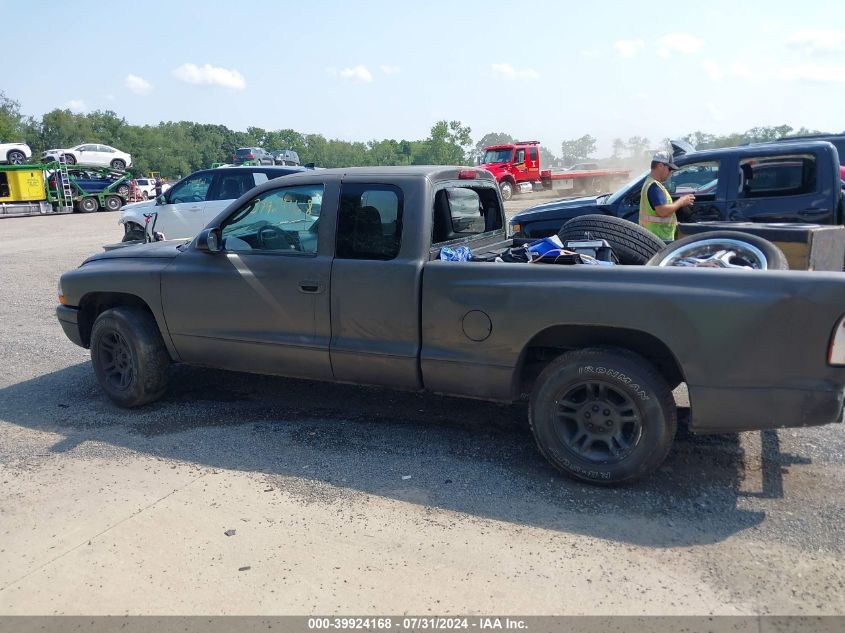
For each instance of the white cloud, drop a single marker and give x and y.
(358, 73)
(639, 96)
(209, 75)
(812, 72)
(109, 97)
(389, 70)
(76, 105)
(138, 85)
(741, 70)
(512, 73)
(628, 48)
(712, 69)
(679, 43)
(813, 42)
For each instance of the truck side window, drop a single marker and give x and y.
(369, 223)
(776, 176)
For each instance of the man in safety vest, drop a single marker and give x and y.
(657, 211)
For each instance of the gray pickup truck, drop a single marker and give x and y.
(337, 275)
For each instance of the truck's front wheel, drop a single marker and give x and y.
(507, 190)
(129, 356)
(603, 415)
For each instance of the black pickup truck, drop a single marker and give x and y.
(357, 290)
(796, 182)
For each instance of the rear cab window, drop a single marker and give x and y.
(462, 212)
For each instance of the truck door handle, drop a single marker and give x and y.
(310, 286)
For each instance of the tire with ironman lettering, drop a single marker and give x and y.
(603, 415)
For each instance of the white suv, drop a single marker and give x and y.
(190, 204)
(14, 153)
(90, 154)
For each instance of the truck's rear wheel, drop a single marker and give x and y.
(603, 415)
(113, 203)
(507, 190)
(631, 243)
(129, 356)
(88, 205)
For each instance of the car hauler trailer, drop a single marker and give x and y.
(57, 188)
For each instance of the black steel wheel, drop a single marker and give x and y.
(129, 356)
(88, 205)
(16, 157)
(118, 164)
(603, 415)
(113, 203)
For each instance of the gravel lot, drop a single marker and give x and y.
(363, 501)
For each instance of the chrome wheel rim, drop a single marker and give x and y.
(718, 253)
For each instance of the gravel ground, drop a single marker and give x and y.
(360, 500)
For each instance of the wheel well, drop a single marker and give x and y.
(94, 304)
(554, 341)
(509, 180)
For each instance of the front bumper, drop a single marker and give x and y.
(69, 320)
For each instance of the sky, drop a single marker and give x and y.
(361, 71)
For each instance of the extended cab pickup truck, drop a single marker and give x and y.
(358, 292)
(798, 181)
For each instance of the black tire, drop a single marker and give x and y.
(118, 164)
(145, 195)
(70, 159)
(637, 416)
(763, 254)
(123, 190)
(113, 203)
(16, 157)
(134, 234)
(129, 356)
(506, 189)
(88, 205)
(632, 244)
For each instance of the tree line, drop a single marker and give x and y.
(178, 148)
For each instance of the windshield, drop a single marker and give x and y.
(624, 189)
(496, 156)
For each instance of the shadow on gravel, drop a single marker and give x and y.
(325, 442)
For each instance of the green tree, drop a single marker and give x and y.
(579, 149)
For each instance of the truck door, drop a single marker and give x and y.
(375, 281)
(781, 188)
(533, 163)
(262, 303)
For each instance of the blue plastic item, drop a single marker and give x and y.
(457, 254)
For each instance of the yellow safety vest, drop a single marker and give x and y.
(664, 228)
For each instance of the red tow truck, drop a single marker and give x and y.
(516, 167)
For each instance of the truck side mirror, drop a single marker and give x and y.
(209, 241)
